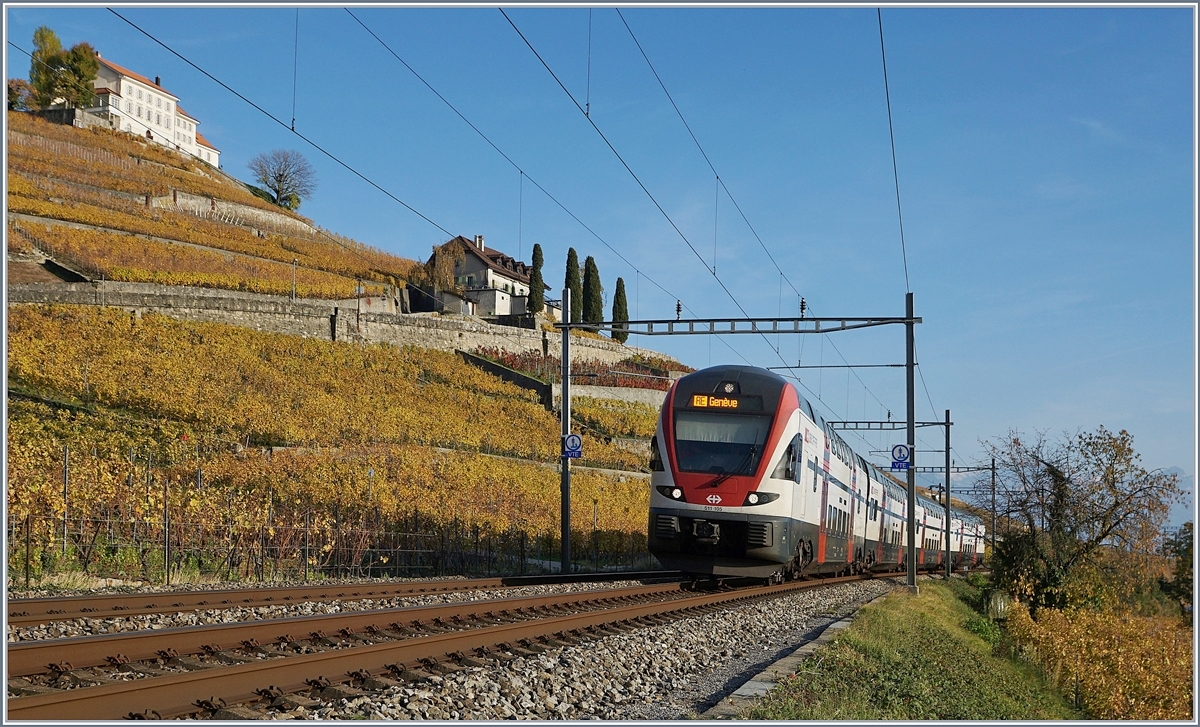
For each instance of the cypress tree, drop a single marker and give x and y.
(574, 285)
(537, 293)
(593, 300)
(620, 312)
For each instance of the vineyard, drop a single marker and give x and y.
(638, 372)
(240, 431)
(125, 258)
(114, 189)
(1118, 666)
(124, 162)
(615, 418)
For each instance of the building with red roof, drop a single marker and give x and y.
(132, 102)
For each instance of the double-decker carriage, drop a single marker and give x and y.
(746, 480)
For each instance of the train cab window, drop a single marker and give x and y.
(719, 443)
(656, 463)
(807, 409)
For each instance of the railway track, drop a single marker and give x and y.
(292, 661)
(33, 611)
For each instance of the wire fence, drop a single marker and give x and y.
(65, 148)
(152, 551)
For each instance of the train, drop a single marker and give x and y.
(747, 480)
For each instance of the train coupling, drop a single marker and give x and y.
(706, 532)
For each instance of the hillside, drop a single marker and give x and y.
(282, 425)
(251, 441)
(111, 205)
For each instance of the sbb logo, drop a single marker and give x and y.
(713, 499)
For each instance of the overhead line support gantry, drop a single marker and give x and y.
(725, 326)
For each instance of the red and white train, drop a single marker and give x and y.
(746, 480)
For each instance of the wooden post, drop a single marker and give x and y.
(166, 536)
(27, 525)
(66, 472)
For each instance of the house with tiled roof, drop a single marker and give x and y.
(496, 283)
(132, 102)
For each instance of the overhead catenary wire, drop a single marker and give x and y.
(703, 153)
(336, 159)
(260, 109)
(636, 179)
(525, 175)
(721, 183)
(295, 66)
(587, 106)
(892, 135)
(506, 157)
(279, 121)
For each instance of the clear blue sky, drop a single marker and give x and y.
(1045, 160)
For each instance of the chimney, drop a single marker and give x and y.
(479, 241)
(158, 81)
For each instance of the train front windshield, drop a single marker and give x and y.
(719, 443)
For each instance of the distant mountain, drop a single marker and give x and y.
(1182, 511)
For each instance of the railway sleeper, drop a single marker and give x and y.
(409, 675)
(24, 688)
(379, 684)
(236, 713)
(288, 702)
(439, 667)
(463, 660)
(146, 671)
(341, 691)
(80, 678)
(190, 663)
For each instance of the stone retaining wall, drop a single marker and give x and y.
(336, 320)
(650, 397)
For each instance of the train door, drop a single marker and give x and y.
(853, 550)
(826, 523)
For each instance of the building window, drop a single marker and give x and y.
(158, 102)
(139, 111)
(158, 119)
(139, 94)
(128, 105)
(168, 107)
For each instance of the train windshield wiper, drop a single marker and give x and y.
(736, 470)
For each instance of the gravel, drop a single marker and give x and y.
(116, 624)
(670, 672)
(674, 671)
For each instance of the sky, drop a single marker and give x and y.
(1045, 160)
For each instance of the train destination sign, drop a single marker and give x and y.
(703, 401)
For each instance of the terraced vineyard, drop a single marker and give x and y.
(283, 428)
(113, 191)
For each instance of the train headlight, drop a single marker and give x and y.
(760, 498)
(673, 493)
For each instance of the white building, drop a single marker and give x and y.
(496, 283)
(140, 106)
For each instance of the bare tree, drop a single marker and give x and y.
(1066, 502)
(286, 174)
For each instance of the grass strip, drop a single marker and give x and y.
(912, 657)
